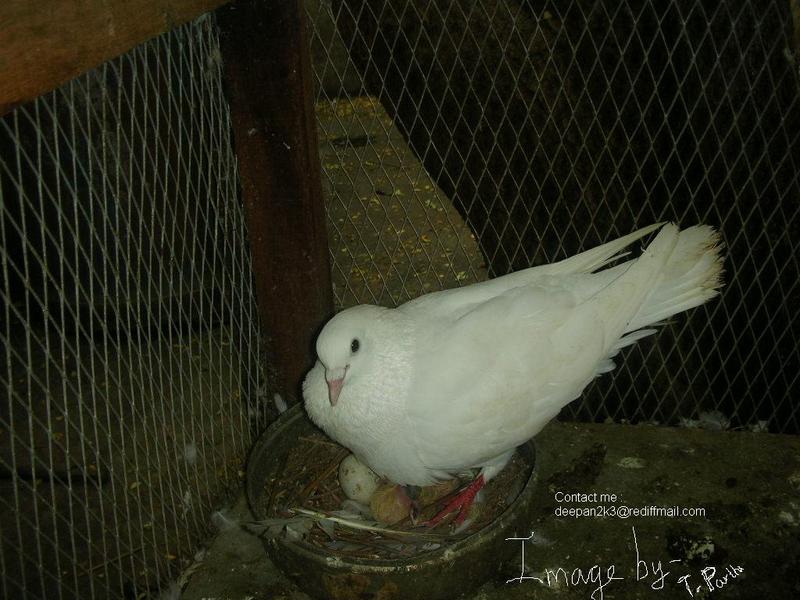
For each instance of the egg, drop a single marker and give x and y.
(390, 504)
(358, 481)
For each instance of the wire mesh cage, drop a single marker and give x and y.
(551, 127)
(128, 333)
(458, 141)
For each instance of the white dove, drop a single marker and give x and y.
(457, 379)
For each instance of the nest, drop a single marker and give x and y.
(305, 504)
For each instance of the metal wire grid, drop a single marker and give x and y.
(128, 337)
(553, 127)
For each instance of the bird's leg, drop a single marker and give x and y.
(462, 502)
(412, 493)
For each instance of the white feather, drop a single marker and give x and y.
(171, 592)
(222, 522)
(190, 453)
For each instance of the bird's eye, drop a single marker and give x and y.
(355, 345)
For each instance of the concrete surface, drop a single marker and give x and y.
(393, 234)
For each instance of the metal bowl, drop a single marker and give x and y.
(439, 574)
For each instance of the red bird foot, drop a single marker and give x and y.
(462, 502)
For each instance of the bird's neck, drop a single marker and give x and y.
(381, 397)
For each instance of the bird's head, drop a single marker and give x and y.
(345, 347)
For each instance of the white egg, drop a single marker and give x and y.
(357, 480)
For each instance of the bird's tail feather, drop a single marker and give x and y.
(678, 270)
(691, 276)
(597, 258)
(628, 286)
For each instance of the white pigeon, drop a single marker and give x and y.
(455, 380)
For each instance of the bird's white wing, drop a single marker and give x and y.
(489, 379)
(459, 301)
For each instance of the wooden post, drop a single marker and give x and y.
(267, 71)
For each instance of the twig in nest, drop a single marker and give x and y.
(320, 494)
(315, 440)
(368, 526)
(309, 489)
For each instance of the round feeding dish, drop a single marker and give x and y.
(437, 572)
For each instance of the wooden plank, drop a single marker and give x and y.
(267, 72)
(45, 43)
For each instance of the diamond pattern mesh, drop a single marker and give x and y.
(541, 129)
(459, 140)
(128, 331)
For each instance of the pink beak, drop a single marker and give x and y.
(335, 380)
(334, 389)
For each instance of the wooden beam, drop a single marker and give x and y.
(267, 71)
(45, 43)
